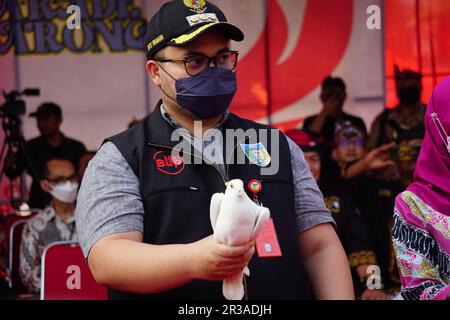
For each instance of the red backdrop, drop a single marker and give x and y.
(417, 38)
(319, 50)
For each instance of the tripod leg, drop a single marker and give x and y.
(1, 159)
(3, 149)
(28, 159)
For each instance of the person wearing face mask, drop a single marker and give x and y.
(421, 232)
(54, 223)
(407, 114)
(143, 214)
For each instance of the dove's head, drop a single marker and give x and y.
(235, 187)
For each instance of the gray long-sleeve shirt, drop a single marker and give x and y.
(109, 200)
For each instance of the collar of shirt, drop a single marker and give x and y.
(51, 214)
(174, 123)
(43, 141)
(200, 145)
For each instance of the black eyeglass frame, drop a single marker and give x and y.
(213, 59)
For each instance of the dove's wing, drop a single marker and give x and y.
(263, 216)
(216, 201)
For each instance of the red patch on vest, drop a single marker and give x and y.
(167, 164)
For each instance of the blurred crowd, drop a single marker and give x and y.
(360, 174)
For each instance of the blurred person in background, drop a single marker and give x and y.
(349, 157)
(408, 114)
(351, 227)
(55, 223)
(52, 143)
(375, 199)
(333, 97)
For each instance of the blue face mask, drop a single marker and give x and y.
(207, 95)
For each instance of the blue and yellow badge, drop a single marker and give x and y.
(257, 154)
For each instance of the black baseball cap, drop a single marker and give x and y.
(179, 22)
(47, 109)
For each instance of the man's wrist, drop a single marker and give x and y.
(190, 252)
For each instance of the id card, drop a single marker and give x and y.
(267, 245)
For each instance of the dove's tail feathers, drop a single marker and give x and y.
(233, 287)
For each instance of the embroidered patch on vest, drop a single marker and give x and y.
(257, 154)
(167, 164)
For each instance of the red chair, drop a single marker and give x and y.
(15, 235)
(65, 274)
(14, 224)
(9, 220)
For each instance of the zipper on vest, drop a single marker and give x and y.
(224, 178)
(171, 189)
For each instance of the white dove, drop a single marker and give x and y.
(236, 220)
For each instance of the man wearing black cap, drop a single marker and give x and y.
(144, 214)
(52, 143)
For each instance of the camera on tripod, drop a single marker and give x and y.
(10, 113)
(13, 107)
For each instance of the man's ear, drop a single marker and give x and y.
(45, 185)
(154, 71)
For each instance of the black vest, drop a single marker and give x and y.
(176, 198)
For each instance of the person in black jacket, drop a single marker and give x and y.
(332, 96)
(376, 198)
(351, 227)
(52, 143)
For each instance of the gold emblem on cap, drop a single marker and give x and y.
(197, 6)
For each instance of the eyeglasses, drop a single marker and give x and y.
(198, 62)
(62, 179)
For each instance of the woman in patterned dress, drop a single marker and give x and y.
(421, 230)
